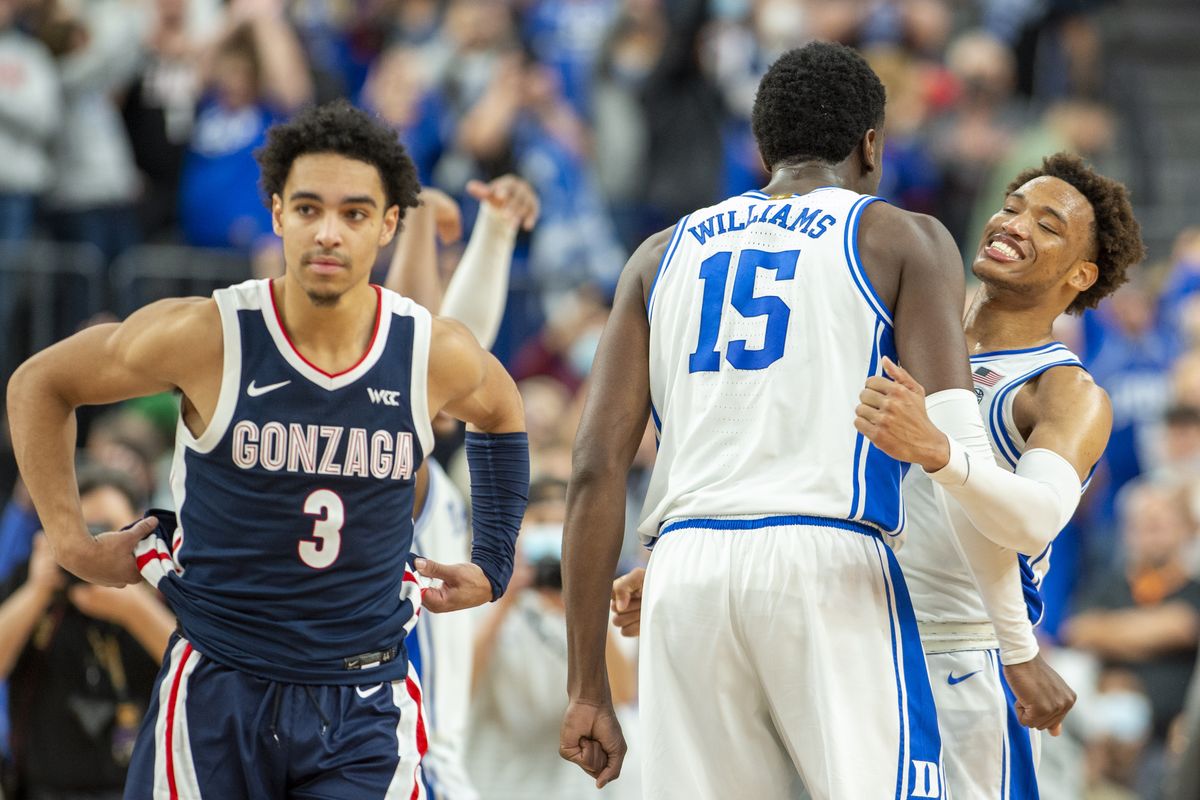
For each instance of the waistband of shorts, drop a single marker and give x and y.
(948, 637)
(749, 523)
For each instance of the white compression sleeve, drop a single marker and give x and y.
(997, 575)
(478, 290)
(1022, 511)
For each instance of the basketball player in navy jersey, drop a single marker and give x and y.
(305, 413)
(1063, 240)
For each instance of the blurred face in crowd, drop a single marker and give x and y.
(333, 219)
(1040, 243)
(235, 79)
(108, 508)
(1156, 527)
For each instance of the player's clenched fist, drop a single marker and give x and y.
(591, 737)
(891, 413)
(1043, 698)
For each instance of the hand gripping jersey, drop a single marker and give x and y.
(295, 504)
(941, 585)
(763, 330)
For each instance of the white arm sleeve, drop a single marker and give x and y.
(1022, 511)
(997, 575)
(478, 290)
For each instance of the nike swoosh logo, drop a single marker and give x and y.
(255, 391)
(358, 690)
(950, 679)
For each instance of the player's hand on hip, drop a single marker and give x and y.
(891, 413)
(462, 586)
(512, 196)
(627, 601)
(106, 559)
(591, 737)
(1043, 697)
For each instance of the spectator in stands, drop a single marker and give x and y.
(159, 108)
(257, 75)
(520, 668)
(95, 187)
(399, 89)
(1116, 722)
(30, 108)
(81, 662)
(1146, 618)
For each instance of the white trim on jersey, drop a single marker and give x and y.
(419, 382)
(286, 349)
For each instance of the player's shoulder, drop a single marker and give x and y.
(1069, 392)
(176, 319)
(888, 222)
(453, 351)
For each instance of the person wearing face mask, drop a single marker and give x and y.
(520, 667)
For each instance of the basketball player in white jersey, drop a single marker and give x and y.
(440, 646)
(779, 644)
(1074, 236)
(1063, 240)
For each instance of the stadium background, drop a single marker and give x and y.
(126, 132)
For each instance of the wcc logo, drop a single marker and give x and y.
(385, 397)
(926, 779)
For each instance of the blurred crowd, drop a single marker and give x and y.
(131, 124)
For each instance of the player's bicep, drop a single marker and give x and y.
(469, 384)
(929, 307)
(106, 363)
(1074, 420)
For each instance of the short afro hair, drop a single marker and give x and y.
(1117, 234)
(816, 103)
(340, 128)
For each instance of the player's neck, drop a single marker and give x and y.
(331, 336)
(995, 322)
(803, 178)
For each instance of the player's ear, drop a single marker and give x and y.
(871, 150)
(1083, 275)
(277, 214)
(391, 223)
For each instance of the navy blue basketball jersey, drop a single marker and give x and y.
(295, 504)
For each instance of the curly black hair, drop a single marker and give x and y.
(816, 103)
(1116, 232)
(340, 128)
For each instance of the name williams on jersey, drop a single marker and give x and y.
(323, 450)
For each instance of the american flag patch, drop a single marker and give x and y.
(986, 377)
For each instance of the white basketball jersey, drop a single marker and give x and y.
(763, 330)
(441, 646)
(940, 584)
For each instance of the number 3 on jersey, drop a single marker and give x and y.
(327, 529)
(714, 271)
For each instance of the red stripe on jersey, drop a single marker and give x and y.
(414, 691)
(296, 350)
(187, 652)
(146, 558)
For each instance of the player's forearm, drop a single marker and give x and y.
(43, 437)
(997, 575)
(1022, 511)
(591, 547)
(18, 616)
(477, 293)
(413, 271)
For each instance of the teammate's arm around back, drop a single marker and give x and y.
(469, 383)
(166, 345)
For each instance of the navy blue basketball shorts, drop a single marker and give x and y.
(218, 733)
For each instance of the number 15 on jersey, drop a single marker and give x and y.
(714, 272)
